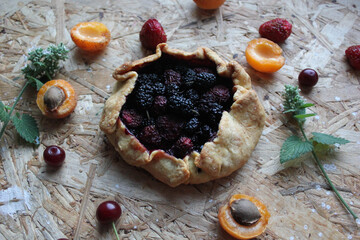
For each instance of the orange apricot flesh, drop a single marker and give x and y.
(209, 4)
(90, 36)
(237, 230)
(68, 102)
(264, 55)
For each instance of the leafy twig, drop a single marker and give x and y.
(43, 65)
(295, 146)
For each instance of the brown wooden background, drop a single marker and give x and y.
(39, 203)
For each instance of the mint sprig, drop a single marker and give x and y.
(42, 66)
(295, 146)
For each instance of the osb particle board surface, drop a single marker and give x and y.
(40, 203)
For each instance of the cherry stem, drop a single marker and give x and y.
(114, 227)
(327, 177)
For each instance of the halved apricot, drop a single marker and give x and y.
(90, 36)
(264, 55)
(56, 99)
(209, 4)
(237, 230)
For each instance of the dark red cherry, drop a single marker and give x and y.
(308, 77)
(108, 212)
(54, 156)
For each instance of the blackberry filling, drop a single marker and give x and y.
(176, 105)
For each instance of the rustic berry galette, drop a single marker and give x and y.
(184, 117)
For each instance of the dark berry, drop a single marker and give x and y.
(169, 127)
(172, 89)
(221, 93)
(192, 125)
(159, 105)
(108, 212)
(183, 147)
(180, 104)
(148, 121)
(171, 76)
(146, 78)
(192, 94)
(131, 118)
(206, 133)
(277, 30)
(144, 96)
(151, 34)
(158, 88)
(308, 77)
(204, 80)
(189, 78)
(353, 56)
(54, 156)
(150, 136)
(181, 69)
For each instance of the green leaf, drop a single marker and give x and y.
(294, 147)
(328, 139)
(26, 126)
(306, 105)
(35, 82)
(303, 116)
(3, 114)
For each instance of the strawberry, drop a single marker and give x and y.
(151, 34)
(276, 30)
(353, 56)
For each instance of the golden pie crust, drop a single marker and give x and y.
(239, 129)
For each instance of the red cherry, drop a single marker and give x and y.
(308, 77)
(108, 211)
(54, 156)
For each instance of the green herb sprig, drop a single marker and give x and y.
(296, 146)
(42, 66)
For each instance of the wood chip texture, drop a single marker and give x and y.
(40, 203)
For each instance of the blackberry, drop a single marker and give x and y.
(131, 118)
(158, 88)
(181, 69)
(169, 127)
(144, 96)
(192, 94)
(211, 111)
(171, 76)
(172, 89)
(183, 147)
(189, 78)
(205, 133)
(180, 104)
(148, 122)
(204, 80)
(192, 125)
(146, 78)
(150, 137)
(159, 105)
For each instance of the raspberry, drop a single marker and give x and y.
(277, 30)
(183, 147)
(192, 125)
(353, 56)
(171, 76)
(204, 80)
(169, 127)
(151, 34)
(159, 105)
(220, 93)
(180, 104)
(131, 118)
(204, 69)
(150, 137)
